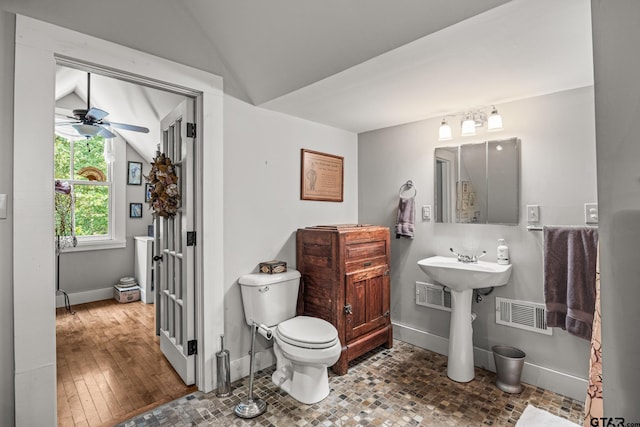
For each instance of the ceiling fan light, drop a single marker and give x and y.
(494, 123)
(468, 127)
(88, 131)
(444, 132)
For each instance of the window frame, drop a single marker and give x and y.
(116, 237)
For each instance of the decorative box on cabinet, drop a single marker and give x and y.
(144, 267)
(345, 281)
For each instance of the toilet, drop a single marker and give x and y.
(304, 346)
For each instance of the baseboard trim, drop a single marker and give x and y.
(240, 367)
(86, 296)
(539, 376)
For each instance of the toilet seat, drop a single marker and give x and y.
(307, 332)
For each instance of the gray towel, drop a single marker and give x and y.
(405, 218)
(570, 255)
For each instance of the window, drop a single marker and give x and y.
(96, 211)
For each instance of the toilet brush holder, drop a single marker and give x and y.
(251, 407)
(223, 371)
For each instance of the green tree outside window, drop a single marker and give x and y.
(82, 164)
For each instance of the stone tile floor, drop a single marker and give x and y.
(402, 386)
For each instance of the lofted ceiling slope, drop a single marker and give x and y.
(354, 64)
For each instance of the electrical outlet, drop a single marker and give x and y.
(591, 213)
(426, 212)
(533, 213)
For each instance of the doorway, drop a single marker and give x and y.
(108, 357)
(38, 46)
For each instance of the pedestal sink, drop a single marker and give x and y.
(462, 278)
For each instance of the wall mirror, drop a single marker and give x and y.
(478, 183)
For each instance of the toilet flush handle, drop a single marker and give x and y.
(264, 289)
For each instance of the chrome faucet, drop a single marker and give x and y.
(468, 258)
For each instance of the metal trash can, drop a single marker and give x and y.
(509, 364)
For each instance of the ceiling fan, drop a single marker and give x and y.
(90, 122)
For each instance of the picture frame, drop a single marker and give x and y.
(321, 176)
(135, 210)
(134, 173)
(148, 188)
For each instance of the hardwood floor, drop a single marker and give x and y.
(109, 364)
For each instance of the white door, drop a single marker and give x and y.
(175, 239)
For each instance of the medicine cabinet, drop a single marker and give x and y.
(478, 183)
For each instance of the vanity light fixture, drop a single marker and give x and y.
(472, 119)
(444, 132)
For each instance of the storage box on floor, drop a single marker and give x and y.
(127, 290)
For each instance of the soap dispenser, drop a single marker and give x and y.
(503, 252)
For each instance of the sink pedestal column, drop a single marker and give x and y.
(460, 363)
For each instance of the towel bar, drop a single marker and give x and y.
(540, 227)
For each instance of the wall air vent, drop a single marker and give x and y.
(434, 296)
(522, 314)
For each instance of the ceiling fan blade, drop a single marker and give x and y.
(127, 127)
(96, 114)
(106, 133)
(75, 122)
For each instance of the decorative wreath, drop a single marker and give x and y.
(165, 194)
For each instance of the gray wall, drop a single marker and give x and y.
(616, 37)
(262, 206)
(557, 173)
(7, 30)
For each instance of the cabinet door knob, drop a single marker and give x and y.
(348, 309)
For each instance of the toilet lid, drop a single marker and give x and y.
(308, 332)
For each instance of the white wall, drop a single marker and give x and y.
(262, 206)
(616, 36)
(557, 173)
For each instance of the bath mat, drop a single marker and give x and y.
(534, 417)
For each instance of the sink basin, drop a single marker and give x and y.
(460, 276)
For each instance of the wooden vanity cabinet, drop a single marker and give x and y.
(345, 281)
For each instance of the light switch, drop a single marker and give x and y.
(591, 213)
(533, 213)
(3, 206)
(426, 212)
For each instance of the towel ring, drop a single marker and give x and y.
(407, 186)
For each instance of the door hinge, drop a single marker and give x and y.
(191, 130)
(191, 238)
(348, 309)
(192, 347)
(386, 272)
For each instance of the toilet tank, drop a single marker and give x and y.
(269, 298)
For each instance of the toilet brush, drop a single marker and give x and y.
(224, 373)
(251, 407)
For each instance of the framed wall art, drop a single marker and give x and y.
(134, 173)
(321, 176)
(135, 210)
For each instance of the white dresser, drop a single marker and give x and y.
(144, 267)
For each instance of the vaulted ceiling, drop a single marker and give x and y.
(354, 64)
